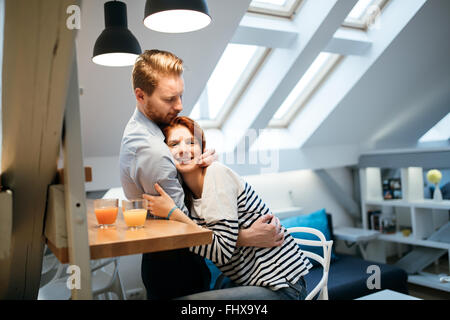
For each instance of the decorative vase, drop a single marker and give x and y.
(437, 195)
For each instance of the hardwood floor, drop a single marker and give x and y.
(427, 293)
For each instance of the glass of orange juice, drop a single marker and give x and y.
(134, 213)
(106, 212)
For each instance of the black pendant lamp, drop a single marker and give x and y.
(176, 16)
(116, 46)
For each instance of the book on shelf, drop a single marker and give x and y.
(374, 219)
(385, 223)
(392, 189)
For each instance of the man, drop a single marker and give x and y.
(145, 160)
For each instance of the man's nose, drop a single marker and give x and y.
(178, 105)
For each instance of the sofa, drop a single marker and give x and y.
(348, 275)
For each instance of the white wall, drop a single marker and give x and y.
(308, 191)
(105, 173)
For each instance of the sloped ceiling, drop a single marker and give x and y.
(404, 93)
(107, 99)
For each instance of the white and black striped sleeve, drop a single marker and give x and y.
(223, 244)
(220, 214)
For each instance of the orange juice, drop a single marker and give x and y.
(135, 217)
(106, 215)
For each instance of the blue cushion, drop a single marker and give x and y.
(317, 220)
(215, 272)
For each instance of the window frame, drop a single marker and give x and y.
(421, 140)
(237, 92)
(364, 21)
(286, 11)
(311, 88)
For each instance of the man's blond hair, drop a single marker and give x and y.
(151, 65)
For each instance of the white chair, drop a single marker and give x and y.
(321, 288)
(104, 281)
(51, 268)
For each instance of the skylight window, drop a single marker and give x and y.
(228, 81)
(364, 14)
(306, 86)
(440, 132)
(360, 9)
(269, 2)
(282, 8)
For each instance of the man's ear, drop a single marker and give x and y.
(140, 95)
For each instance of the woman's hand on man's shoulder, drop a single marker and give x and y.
(207, 158)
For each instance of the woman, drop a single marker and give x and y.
(222, 202)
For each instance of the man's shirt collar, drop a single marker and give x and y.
(149, 124)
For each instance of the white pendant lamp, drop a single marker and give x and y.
(176, 16)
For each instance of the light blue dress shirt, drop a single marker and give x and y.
(145, 160)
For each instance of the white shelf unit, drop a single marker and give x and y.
(426, 215)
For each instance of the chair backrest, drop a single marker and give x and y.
(102, 281)
(321, 288)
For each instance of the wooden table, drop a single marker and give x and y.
(157, 235)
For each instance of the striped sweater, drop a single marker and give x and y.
(227, 205)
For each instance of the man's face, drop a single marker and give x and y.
(165, 103)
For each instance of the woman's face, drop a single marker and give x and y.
(184, 147)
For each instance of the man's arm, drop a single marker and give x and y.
(154, 164)
(266, 232)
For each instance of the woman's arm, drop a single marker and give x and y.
(225, 231)
(266, 232)
(162, 205)
(179, 216)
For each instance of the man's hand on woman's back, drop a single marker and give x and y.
(266, 232)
